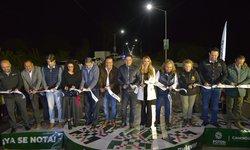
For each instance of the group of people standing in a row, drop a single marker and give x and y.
(134, 83)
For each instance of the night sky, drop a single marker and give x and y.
(190, 22)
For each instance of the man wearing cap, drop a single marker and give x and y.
(90, 76)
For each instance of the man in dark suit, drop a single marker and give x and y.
(11, 80)
(32, 79)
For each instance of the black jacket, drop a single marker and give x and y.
(189, 78)
(11, 82)
(128, 75)
(213, 73)
(71, 80)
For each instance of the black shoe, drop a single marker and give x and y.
(142, 124)
(131, 126)
(204, 123)
(27, 128)
(94, 125)
(157, 123)
(69, 125)
(123, 125)
(87, 123)
(148, 125)
(190, 122)
(168, 124)
(185, 122)
(75, 124)
(216, 125)
(13, 130)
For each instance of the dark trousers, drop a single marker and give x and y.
(70, 109)
(210, 97)
(146, 113)
(35, 106)
(247, 97)
(128, 97)
(91, 107)
(10, 101)
(45, 107)
(234, 105)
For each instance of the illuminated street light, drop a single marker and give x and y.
(121, 32)
(149, 6)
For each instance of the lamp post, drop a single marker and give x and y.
(121, 32)
(149, 7)
(138, 42)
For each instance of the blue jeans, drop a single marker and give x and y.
(128, 96)
(52, 98)
(91, 107)
(108, 99)
(210, 96)
(168, 107)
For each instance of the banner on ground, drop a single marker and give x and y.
(33, 140)
(218, 137)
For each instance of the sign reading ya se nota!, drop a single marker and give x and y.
(33, 140)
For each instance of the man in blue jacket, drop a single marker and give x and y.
(128, 79)
(90, 76)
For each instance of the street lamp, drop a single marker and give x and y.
(121, 32)
(139, 43)
(149, 7)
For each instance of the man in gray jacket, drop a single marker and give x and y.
(90, 76)
(32, 79)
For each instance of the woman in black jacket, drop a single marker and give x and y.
(188, 78)
(71, 80)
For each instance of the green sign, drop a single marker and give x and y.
(227, 137)
(33, 140)
(165, 44)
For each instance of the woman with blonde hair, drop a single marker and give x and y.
(188, 78)
(168, 77)
(146, 91)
